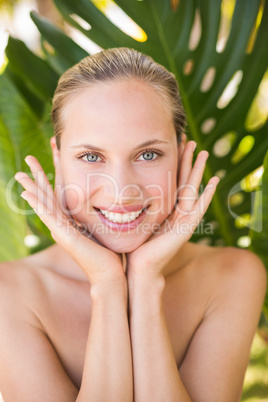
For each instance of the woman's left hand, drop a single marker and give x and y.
(152, 256)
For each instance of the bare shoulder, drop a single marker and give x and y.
(238, 270)
(225, 268)
(20, 284)
(21, 298)
(15, 277)
(29, 289)
(235, 283)
(27, 356)
(236, 257)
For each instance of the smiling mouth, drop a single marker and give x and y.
(122, 218)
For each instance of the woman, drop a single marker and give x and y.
(123, 307)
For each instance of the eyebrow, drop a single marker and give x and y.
(144, 144)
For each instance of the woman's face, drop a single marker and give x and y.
(118, 161)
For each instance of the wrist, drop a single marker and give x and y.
(145, 297)
(105, 292)
(147, 285)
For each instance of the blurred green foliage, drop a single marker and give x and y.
(256, 380)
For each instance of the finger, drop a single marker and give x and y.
(32, 187)
(186, 225)
(59, 188)
(197, 172)
(39, 175)
(45, 189)
(189, 194)
(45, 214)
(62, 228)
(186, 165)
(204, 201)
(26, 182)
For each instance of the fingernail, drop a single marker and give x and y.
(194, 146)
(27, 160)
(217, 181)
(214, 181)
(23, 195)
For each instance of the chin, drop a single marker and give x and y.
(122, 245)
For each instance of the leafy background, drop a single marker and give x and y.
(218, 53)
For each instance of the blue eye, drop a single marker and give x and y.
(148, 156)
(91, 157)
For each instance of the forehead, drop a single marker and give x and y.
(117, 110)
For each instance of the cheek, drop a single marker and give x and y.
(75, 198)
(74, 189)
(162, 193)
(83, 190)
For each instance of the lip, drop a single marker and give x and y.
(122, 227)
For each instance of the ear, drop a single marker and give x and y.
(55, 150)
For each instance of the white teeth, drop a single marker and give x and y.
(121, 218)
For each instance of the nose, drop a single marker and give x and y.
(125, 183)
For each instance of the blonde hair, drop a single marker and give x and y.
(114, 64)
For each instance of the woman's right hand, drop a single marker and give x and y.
(99, 263)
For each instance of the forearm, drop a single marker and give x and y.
(107, 374)
(155, 371)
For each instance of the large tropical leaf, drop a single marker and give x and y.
(65, 51)
(13, 225)
(259, 239)
(203, 74)
(40, 78)
(21, 133)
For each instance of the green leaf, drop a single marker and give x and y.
(27, 131)
(259, 236)
(13, 225)
(66, 51)
(38, 75)
(103, 31)
(36, 104)
(21, 134)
